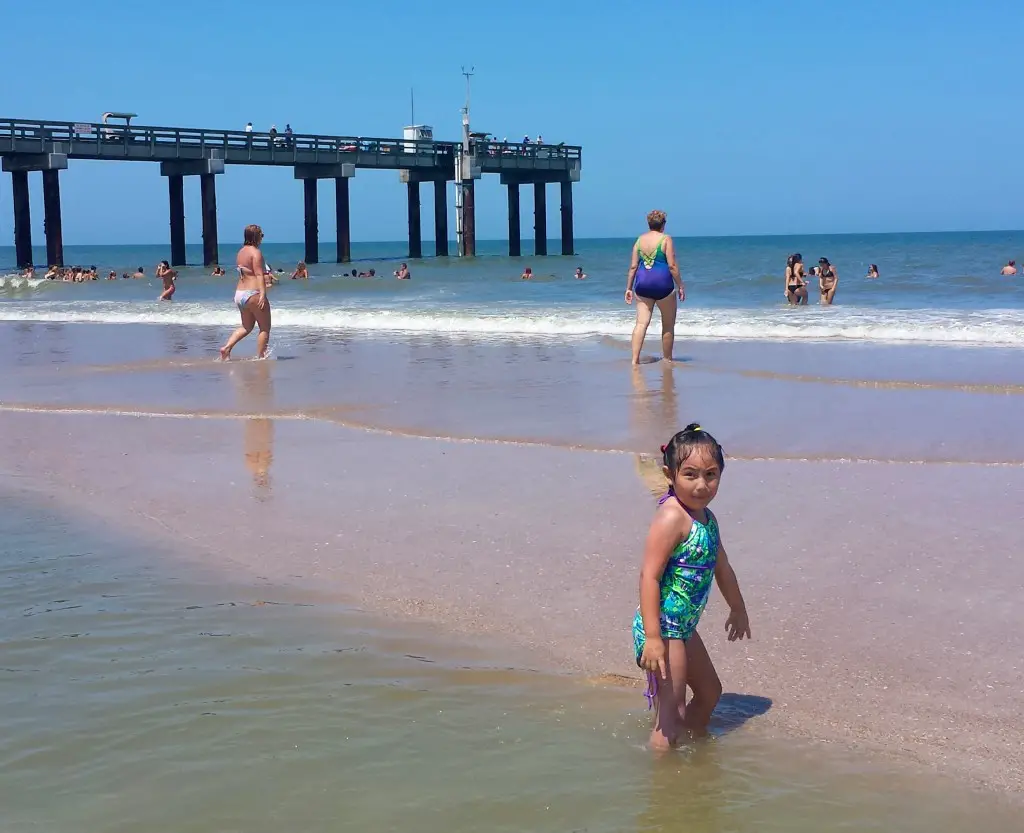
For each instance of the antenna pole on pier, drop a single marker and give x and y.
(463, 223)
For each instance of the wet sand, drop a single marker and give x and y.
(879, 594)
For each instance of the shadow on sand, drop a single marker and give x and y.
(733, 710)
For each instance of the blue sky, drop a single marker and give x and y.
(737, 118)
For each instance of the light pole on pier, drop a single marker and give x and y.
(463, 212)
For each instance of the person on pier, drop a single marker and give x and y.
(251, 294)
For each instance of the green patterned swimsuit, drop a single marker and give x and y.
(685, 583)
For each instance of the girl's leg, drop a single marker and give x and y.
(248, 321)
(644, 311)
(705, 685)
(669, 698)
(263, 320)
(667, 307)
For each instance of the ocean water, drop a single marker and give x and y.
(137, 691)
(941, 288)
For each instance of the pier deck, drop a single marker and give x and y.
(32, 145)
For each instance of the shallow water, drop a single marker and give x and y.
(141, 693)
(934, 289)
(822, 401)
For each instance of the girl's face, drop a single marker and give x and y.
(696, 481)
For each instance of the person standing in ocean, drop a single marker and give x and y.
(654, 279)
(168, 276)
(828, 280)
(1010, 268)
(796, 286)
(250, 294)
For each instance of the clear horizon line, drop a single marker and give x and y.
(526, 240)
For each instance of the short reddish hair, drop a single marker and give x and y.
(656, 220)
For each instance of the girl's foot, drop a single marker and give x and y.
(225, 354)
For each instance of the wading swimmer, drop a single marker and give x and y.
(828, 280)
(796, 286)
(251, 294)
(654, 279)
(682, 555)
(168, 276)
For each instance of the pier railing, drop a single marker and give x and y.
(89, 140)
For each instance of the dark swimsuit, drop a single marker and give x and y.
(826, 274)
(653, 277)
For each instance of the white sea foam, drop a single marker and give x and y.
(992, 327)
(18, 282)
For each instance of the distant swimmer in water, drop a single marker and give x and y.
(168, 276)
(139, 273)
(369, 274)
(112, 275)
(580, 274)
(796, 286)
(828, 280)
(872, 271)
(654, 279)
(1010, 268)
(218, 272)
(527, 274)
(301, 273)
(403, 273)
(251, 294)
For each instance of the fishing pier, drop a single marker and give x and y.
(28, 146)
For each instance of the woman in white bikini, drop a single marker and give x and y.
(250, 294)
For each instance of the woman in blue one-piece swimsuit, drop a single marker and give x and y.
(654, 279)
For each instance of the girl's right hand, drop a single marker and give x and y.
(629, 296)
(653, 657)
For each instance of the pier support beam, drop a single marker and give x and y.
(441, 217)
(312, 226)
(207, 169)
(568, 244)
(208, 193)
(176, 195)
(341, 173)
(415, 231)
(341, 207)
(52, 218)
(469, 218)
(540, 222)
(515, 244)
(22, 219)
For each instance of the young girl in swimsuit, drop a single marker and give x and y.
(682, 555)
(251, 294)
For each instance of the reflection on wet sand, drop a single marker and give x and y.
(255, 390)
(655, 417)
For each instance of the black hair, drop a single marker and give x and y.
(824, 260)
(692, 437)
